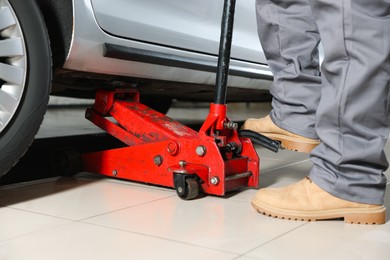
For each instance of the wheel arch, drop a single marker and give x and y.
(59, 20)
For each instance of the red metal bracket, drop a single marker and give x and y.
(160, 147)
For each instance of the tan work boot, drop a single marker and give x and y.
(288, 140)
(306, 201)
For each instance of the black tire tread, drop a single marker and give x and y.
(12, 150)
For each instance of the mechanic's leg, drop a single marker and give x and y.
(290, 38)
(353, 120)
(353, 114)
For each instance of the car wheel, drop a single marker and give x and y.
(25, 77)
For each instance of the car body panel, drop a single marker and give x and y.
(88, 47)
(198, 29)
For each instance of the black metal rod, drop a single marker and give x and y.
(225, 46)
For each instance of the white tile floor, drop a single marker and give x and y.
(90, 217)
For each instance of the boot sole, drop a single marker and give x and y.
(368, 216)
(293, 143)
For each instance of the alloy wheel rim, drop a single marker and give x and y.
(13, 64)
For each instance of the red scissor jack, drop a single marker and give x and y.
(164, 152)
(161, 151)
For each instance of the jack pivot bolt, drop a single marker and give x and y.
(158, 160)
(214, 181)
(230, 147)
(231, 125)
(182, 163)
(201, 150)
(173, 148)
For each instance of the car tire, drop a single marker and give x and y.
(25, 77)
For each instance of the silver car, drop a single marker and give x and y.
(167, 49)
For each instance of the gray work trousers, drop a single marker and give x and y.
(346, 103)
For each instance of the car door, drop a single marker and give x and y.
(184, 24)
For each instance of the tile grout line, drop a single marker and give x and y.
(129, 207)
(141, 204)
(38, 231)
(38, 213)
(273, 239)
(160, 238)
(287, 165)
(82, 219)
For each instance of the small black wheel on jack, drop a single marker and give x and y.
(66, 162)
(186, 185)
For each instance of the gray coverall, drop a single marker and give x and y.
(346, 104)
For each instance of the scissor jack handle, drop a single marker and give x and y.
(225, 46)
(218, 108)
